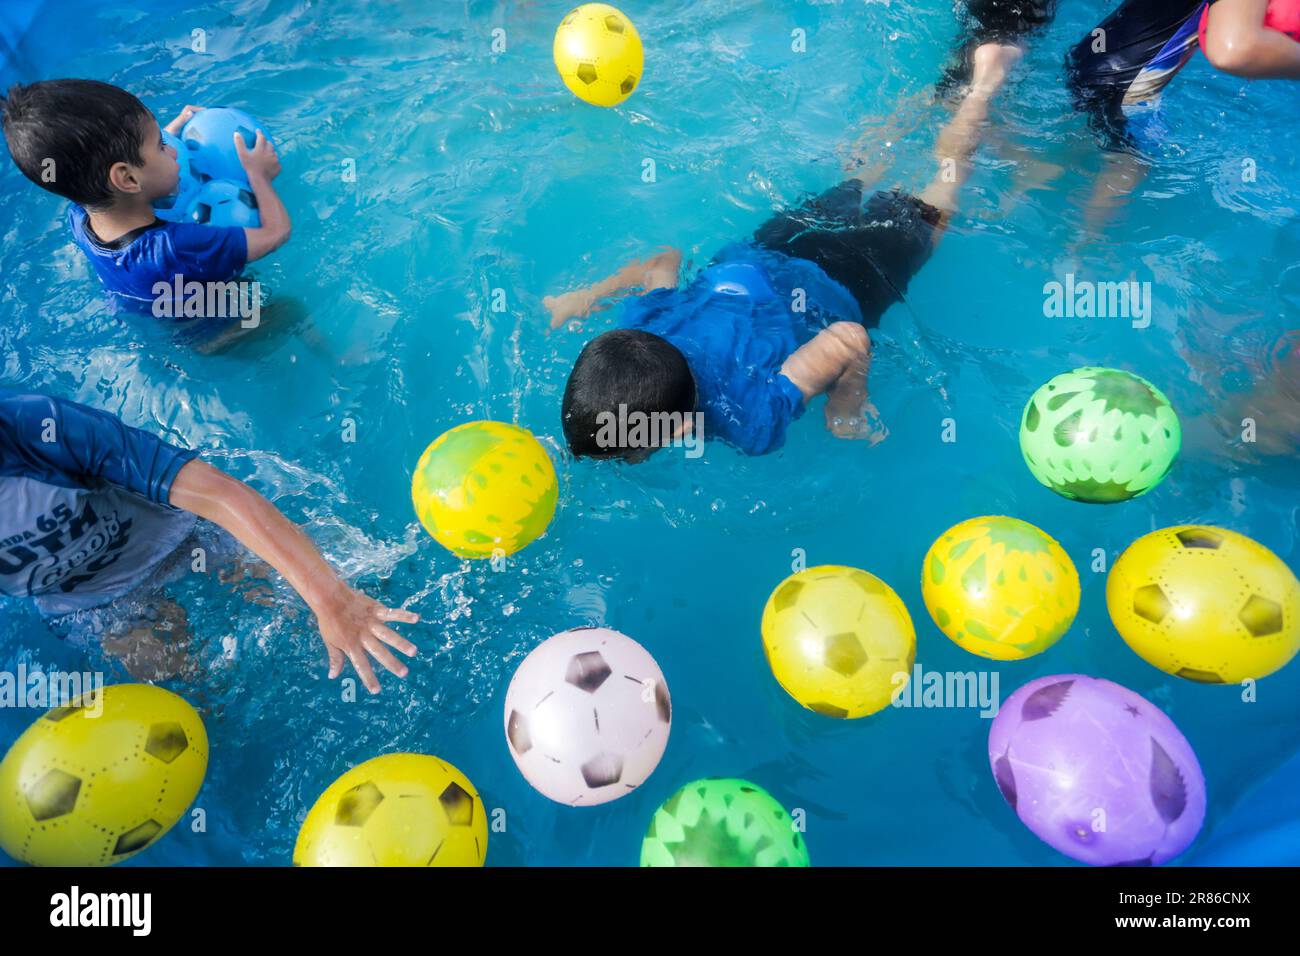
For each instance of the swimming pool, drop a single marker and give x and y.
(476, 172)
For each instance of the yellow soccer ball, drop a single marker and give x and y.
(598, 54)
(1205, 603)
(839, 640)
(96, 782)
(396, 810)
(485, 487)
(1000, 587)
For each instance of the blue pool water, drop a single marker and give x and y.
(478, 172)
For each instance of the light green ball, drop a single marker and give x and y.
(1099, 435)
(723, 821)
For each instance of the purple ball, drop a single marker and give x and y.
(1097, 771)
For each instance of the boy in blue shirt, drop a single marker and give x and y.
(98, 146)
(774, 321)
(93, 511)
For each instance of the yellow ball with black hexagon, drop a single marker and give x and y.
(396, 810)
(839, 640)
(1000, 587)
(99, 780)
(485, 488)
(1206, 604)
(598, 54)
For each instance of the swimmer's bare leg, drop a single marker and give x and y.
(154, 649)
(1121, 175)
(958, 140)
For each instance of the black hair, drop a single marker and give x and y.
(83, 127)
(638, 370)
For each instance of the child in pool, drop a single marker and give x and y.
(98, 146)
(93, 511)
(1118, 71)
(773, 322)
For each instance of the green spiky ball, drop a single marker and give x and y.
(1099, 435)
(723, 822)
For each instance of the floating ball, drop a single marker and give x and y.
(1207, 604)
(97, 781)
(598, 54)
(587, 716)
(176, 207)
(209, 139)
(223, 203)
(723, 822)
(999, 587)
(484, 487)
(396, 810)
(1099, 435)
(1097, 772)
(839, 640)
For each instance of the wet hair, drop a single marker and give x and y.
(83, 126)
(638, 370)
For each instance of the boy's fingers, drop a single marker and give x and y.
(361, 664)
(393, 639)
(240, 148)
(399, 614)
(336, 661)
(385, 657)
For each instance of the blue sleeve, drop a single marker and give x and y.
(769, 414)
(71, 445)
(207, 253)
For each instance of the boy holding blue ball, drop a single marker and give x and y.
(98, 146)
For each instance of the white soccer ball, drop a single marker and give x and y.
(587, 716)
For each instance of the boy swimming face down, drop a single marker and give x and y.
(773, 322)
(98, 146)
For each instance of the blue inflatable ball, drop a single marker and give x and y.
(210, 141)
(176, 207)
(223, 203)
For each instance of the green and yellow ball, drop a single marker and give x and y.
(1000, 587)
(485, 488)
(99, 780)
(839, 640)
(1099, 435)
(598, 54)
(396, 810)
(723, 822)
(1206, 604)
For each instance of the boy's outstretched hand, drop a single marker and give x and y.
(354, 625)
(187, 114)
(260, 162)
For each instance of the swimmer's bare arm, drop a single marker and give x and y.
(1237, 42)
(836, 362)
(657, 272)
(351, 624)
(262, 165)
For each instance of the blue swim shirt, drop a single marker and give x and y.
(131, 266)
(736, 323)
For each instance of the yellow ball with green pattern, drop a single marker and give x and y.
(723, 822)
(484, 488)
(1000, 587)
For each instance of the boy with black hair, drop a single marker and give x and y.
(774, 321)
(98, 146)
